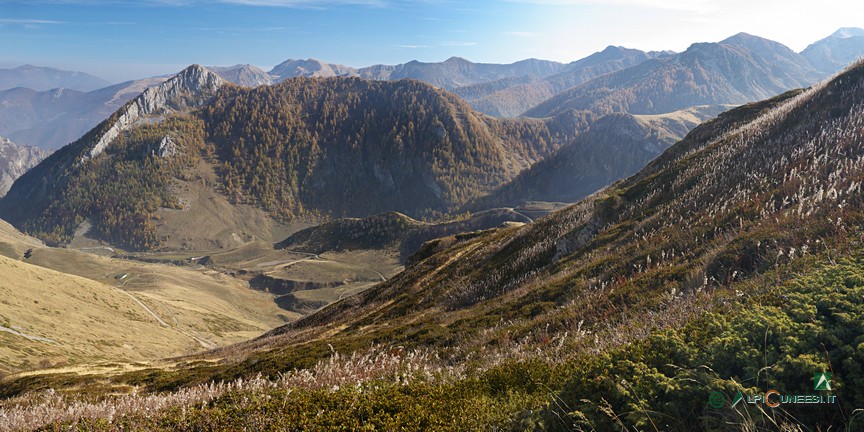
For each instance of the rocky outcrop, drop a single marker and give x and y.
(191, 88)
(15, 160)
(167, 148)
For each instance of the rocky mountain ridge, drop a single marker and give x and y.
(15, 160)
(191, 88)
(740, 69)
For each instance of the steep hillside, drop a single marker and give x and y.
(358, 147)
(836, 51)
(44, 78)
(15, 161)
(121, 189)
(740, 69)
(391, 231)
(334, 147)
(614, 146)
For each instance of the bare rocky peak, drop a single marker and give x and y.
(847, 32)
(191, 88)
(243, 74)
(15, 160)
(310, 68)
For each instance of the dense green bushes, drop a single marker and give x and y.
(778, 340)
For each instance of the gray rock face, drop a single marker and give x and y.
(15, 160)
(167, 148)
(191, 88)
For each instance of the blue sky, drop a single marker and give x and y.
(127, 39)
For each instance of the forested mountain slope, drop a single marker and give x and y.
(305, 149)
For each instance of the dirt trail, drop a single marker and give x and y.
(26, 336)
(201, 341)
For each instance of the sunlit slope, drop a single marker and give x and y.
(49, 318)
(67, 307)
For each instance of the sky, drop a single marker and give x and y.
(128, 39)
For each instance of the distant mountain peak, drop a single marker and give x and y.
(753, 42)
(834, 52)
(45, 78)
(847, 32)
(740, 36)
(310, 67)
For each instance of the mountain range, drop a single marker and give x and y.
(613, 147)
(347, 146)
(43, 78)
(740, 69)
(51, 115)
(338, 147)
(729, 264)
(53, 118)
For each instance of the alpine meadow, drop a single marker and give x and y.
(588, 217)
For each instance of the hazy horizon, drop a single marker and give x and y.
(119, 40)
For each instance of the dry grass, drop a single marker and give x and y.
(36, 410)
(75, 300)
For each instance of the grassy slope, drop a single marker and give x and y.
(86, 321)
(771, 339)
(755, 218)
(74, 298)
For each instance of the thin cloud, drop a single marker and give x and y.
(411, 46)
(309, 4)
(305, 3)
(702, 6)
(28, 21)
(457, 44)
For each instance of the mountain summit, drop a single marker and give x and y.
(836, 51)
